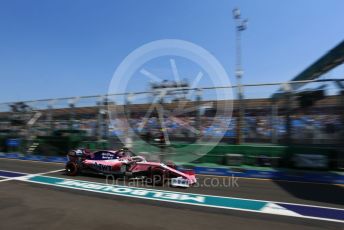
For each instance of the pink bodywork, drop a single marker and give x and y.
(114, 165)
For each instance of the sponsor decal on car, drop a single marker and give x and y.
(101, 167)
(107, 156)
(180, 182)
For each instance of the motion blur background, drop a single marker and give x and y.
(292, 102)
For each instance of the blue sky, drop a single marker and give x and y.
(67, 47)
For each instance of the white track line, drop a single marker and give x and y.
(270, 180)
(205, 205)
(202, 175)
(24, 177)
(28, 174)
(37, 161)
(162, 190)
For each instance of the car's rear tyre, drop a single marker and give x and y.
(72, 169)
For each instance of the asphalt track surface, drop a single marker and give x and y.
(32, 206)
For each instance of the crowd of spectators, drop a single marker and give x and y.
(256, 128)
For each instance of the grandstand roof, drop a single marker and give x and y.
(330, 60)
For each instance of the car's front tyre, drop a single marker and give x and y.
(156, 178)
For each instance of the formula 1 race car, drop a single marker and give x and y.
(123, 163)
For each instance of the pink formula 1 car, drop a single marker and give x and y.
(123, 163)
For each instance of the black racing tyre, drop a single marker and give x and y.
(156, 178)
(171, 165)
(72, 169)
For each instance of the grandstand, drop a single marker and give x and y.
(296, 117)
(258, 116)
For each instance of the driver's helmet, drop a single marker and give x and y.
(79, 152)
(122, 152)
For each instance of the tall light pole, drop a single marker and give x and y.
(240, 25)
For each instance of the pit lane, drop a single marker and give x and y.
(31, 204)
